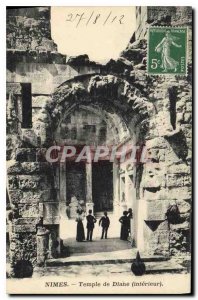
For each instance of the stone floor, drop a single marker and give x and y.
(96, 246)
(108, 257)
(109, 269)
(111, 257)
(112, 250)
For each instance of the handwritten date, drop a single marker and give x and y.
(94, 18)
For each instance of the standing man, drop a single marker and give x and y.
(90, 225)
(105, 222)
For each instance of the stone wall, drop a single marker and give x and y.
(29, 29)
(167, 179)
(156, 109)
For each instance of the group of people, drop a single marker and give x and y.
(125, 221)
(104, 221)
(91, 220)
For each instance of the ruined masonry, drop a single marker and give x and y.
(51, 97)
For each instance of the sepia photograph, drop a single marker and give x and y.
(98, 150)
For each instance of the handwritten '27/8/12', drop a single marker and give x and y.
(94, 18)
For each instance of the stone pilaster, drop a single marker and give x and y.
(42, 240)
(62, 191)
(89, 200)
(116, 188)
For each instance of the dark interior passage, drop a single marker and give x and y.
(102, 186)
(75, 181)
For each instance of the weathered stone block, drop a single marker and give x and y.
(181, 193)
(181, 105)
(163, 124)
(27, 182)
(189, 142)
(13, 167)
(23, 246)
(35, 167)
(163, 226)
(133, 53)
(156, 242)
(158, 143)
(25, 221)
(153, 132)
(153, 154)
(33, 182)
(36, 196)
(25, 225)
(180, 117)
(188, 118)
(51, 213)
(15, 196)
(177, 180)
(24, 228)
(178, 169)
(16, 167)
(156, 209)
(13, 183)
(160, 94)
(161, 194)
(187, 130)
(156, 155)
(26, 154)
(29, 211)
(178, 227)
(162, 104)
(189, 107)
(171, 156)
(153, 176)
(29, 136)
(187, 180)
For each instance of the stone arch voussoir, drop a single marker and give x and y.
(99, 89)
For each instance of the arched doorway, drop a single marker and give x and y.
(95, 111)
(91, 185)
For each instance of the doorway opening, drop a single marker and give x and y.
(75, 181)
(102, 186)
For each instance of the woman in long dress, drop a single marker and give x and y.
(124, 220)
(80, 235)
(168, 63)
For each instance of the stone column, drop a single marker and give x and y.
(62, 191)
(127, 195)
(42, 240)
(89, 200)
(123, 203)
(131, 200)
(141, 216)
(116, 189)
(54, 242)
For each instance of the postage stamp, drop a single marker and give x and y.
(167, 50)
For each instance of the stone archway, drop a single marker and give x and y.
(106, 91)
(125, 110)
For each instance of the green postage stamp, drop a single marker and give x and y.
(167, 50)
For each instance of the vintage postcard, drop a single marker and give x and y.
(99, 149)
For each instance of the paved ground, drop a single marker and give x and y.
(111, 258)
(118, 269)
(96, 246)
